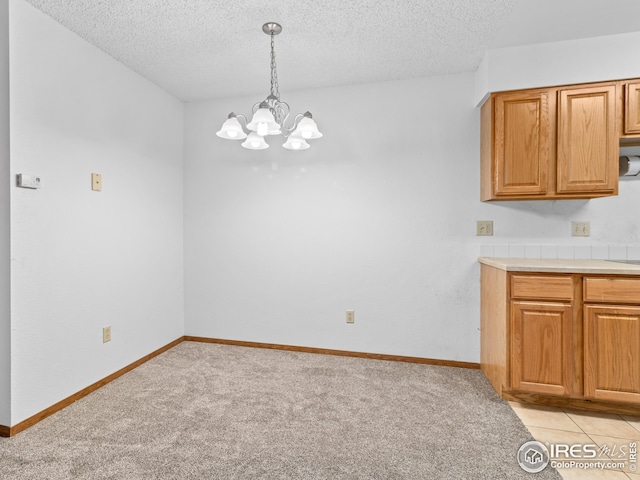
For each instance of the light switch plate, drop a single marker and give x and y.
(106, 334)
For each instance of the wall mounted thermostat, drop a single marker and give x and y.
(28, 181)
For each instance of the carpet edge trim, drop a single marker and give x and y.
(342, 353)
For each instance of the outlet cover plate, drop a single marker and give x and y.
(484, 228)
(106, 334)
(351, 316)
(580, 229)
(96, 182)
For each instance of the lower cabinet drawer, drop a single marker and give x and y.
(611, 290)
(542, 287)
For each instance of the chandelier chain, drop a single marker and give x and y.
(274, 73)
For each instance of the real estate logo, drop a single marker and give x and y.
(533, 457)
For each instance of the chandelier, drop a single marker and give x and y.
(270, 116)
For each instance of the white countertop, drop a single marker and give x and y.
(560, 265)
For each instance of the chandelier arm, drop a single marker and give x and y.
(286, 131)
(241, 116)
(256, 106)
(281, 112)
(296, 120)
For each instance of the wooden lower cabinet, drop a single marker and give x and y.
(612, 353)
(541, 347)
(568, 340)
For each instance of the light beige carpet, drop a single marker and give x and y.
(203, 411)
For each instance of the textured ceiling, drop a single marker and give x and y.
(204, 49)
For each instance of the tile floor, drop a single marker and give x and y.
(615, 432)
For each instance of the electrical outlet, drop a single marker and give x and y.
(580, 229)
(351, 316)
(106, 334)
(484, 228)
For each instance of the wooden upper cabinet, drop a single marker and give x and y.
(553, 143)
(632, 108)
(522, 143)
(588, 148)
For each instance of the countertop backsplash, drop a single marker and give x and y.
(578, 252)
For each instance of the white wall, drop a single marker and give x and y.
(5, 314)
(82, 260)
(595, 59)
(378, 216)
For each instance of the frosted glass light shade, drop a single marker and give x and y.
(255, 142)
(308, 129)
(296, 142)
(231, 130)
(263, 123)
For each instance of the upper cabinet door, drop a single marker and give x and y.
(522, 143)
(632, 108)
(588, 148)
